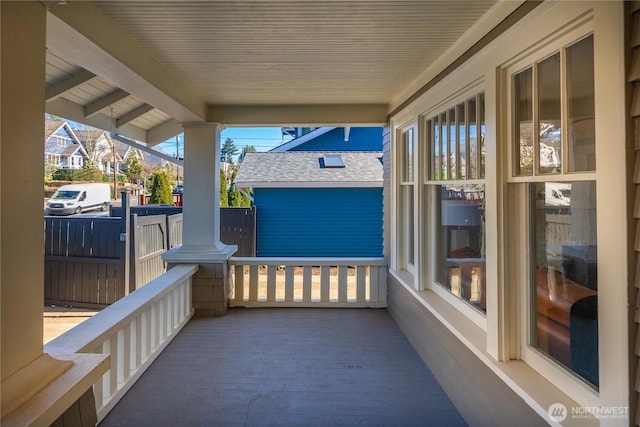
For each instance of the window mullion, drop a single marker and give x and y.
(564, 113)
(535, 120)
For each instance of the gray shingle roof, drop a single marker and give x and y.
(304, 169)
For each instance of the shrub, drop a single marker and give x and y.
(160, 188)
(90, 175)
(224, 197)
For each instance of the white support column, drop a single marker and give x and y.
(22, 175)
(201, 203)
(201, 226)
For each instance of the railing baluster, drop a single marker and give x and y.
(125, 349)
(361, 276)
(342, 283)
(288, 283)
(306, 283)
(238, 280)
(115, 363)
(271, 282)
(325, 272)
(374, 283)
(253, 283)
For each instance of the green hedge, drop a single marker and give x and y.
(91, 175)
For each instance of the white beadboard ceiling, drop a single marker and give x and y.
(209, 58)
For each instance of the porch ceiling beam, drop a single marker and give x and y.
(72, 111)
(133, 114)
(104, 102)
(300, 115)
(146, 149)
(65, 86)
(163, 131)
(82, 34)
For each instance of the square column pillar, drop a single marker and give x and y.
(36, 387)
(201, 221)
(22, 178)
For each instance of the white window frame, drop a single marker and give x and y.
(404, 217)
(429, 261)
(611, 332)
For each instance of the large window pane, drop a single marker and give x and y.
(549, 115)
(523, 118)
(564, 319)
(460, 242)
(581, 107)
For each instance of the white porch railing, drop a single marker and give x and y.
(307, 282)
(133, 332)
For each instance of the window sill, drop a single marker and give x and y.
(528, 384)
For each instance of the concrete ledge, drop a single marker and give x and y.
(46, 405)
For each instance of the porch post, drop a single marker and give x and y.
(36, 387)
(201, 225)
(22, 179)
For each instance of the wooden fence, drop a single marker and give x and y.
(85, 256)
(237, 225)
(84, 261)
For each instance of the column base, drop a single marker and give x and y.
(211, 289)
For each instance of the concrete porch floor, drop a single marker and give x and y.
(288, 367)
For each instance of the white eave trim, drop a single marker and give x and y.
(301, 140)
(315, 184)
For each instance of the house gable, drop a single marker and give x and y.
(345, 139)
(61, 145)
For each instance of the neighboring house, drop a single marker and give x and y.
(336, 139)
(99, 146)
(62, 148)
(125, 152)
(316, 201)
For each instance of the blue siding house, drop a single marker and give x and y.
(336, 139)
(318, 195)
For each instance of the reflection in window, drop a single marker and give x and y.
(550, 141)
(456, 142)
(463, 142)
(564, 88)
(564, 320)
(581, 106)
(481, 130)
(473, 139)
(460, 250)
(523, 138)
(406, 201)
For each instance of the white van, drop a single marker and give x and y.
(76, 198)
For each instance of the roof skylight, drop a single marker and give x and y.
(333, 161)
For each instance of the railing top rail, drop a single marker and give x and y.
(303, 261)
(90, 333)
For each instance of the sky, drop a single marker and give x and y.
(264, 139)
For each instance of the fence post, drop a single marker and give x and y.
(124, 237)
